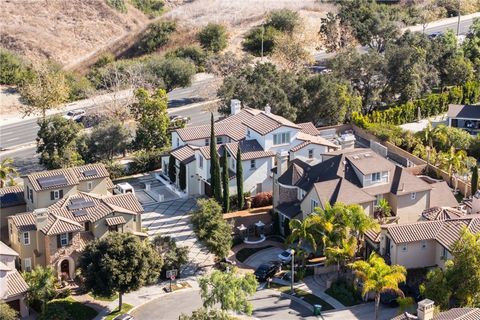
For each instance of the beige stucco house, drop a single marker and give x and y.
(13, 288)
(422, 244)
(56, 235)
(352, 176)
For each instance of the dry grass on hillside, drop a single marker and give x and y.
(240, 15)
(63, 30)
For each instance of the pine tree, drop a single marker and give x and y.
(239, 178)
(474, 180)
(225, 181)
(215, 182)
(182, 177)
(172, 171)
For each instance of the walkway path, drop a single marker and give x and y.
(313, 285)
(172, 218)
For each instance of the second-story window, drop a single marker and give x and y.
(376, 177)
(314, 205)
(253, 164)
(89, 185)
(26, 238)
(56, 194)
(200, 162)
(219, 140)
(281, 138)
(207, 142)
(310, 154)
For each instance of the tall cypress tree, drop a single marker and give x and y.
(182, 177)
(474, 179)
(239, 177)
(225, 181)
(215, 182)
(172, 171)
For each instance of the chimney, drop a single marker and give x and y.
(268, 110)
(235, 106)
(282, 162)
(425, 309)
(41, 218)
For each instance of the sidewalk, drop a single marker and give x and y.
(312, 285)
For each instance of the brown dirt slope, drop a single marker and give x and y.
(65, 31)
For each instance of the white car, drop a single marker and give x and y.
(285, 256)
(123, 188)
(75, 115)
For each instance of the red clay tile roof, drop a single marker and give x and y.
(441, 213)
(265, 123)
(115, 221)
(250, 149)
(185, 154)
(308, 128)
(15, 284)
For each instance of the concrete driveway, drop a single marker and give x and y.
(264, 256)
(267, 304)
(159, 192)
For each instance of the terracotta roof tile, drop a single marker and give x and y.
(441, 213)
(114, 221)
(316, 140)
(15, 284)
(250, 149)
(308, 128)
(265, 123)
(185, 154)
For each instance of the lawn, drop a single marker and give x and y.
(125, 308)
(76, 310)
(244, 253)
(100, 298)
(304, 295)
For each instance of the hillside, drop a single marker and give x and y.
(64, 30)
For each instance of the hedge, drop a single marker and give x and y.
(434, 104)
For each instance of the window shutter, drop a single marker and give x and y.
(52, 196)
(70, 236)
(61, 193)
(58, 241)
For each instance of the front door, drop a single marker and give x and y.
(64, 267)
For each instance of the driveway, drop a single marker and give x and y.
(267, 305)
(172, 218)
(264, 256)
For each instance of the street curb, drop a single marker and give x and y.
(300, 301)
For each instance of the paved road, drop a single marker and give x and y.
(465, 24)
(267, 305)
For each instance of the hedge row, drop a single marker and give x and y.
(432, 105)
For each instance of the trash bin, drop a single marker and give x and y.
(317, 309)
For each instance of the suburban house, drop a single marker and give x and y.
(426, 311)
(42, 189)
(465, 117)
(11, 202)
(425, 243)
(352, 176)
(13, 288)
(56, 235)
(258, 134)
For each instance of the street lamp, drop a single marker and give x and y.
(292, 252)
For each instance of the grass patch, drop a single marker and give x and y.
(70, 308)
(304, 295)
(345, 293)
(125, 308)
(101, 298)
(244, 253)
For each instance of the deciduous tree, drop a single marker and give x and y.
(57, 142)
(107, 140)
(213, 37)
(119, 262)
(150, 112)
(47, 89)
(229, 289)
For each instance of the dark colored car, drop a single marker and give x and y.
(265, 271)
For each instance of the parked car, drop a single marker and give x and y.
(265, 271)
(75, 115)
(285, 256)
(176, 118)
(124, 316)
(434, 35)
(123, 188)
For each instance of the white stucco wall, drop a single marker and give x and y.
(302, 154)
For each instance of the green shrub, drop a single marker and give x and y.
(262, 199)
(193, 53)
(253, 40)
(7, 312)
(80, 86)
(213, 37)
(149, 7)
(156, 36)
(283, 20)
(13, 69)
(115, 169)
(344, 292)
(145, 161)
(118, 5)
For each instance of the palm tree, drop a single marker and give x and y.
(332, 222)
(453, 161)
(379, 277)
(383, 209)
(41, 283)
(359, 223)
(342, 254)
(304, 232)
(7, 171)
